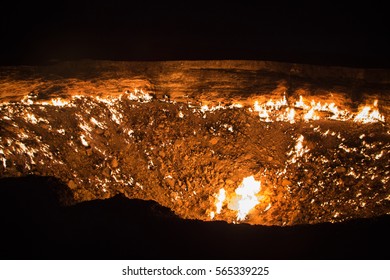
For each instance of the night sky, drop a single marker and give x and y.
(342, 34)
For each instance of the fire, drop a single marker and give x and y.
(83, 141)
(287, 116)
(291, 115)
(220, 199)
(299, 146)
(266, 109)
(238, 201)
(369, 115)
(281, 111)
(59, 102)
(299, 150)
(278, 104)
(301, 104)
(245, 199)
(31, 118)
(311, 115)
(263, 113)
(242, 201)
(138, 95)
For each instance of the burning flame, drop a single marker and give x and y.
(272, 111)
(299, 147)
(369, 115)
(299, 150)
(245, 199)
(291, 115)
(220, 199)
(263, 114)
(311, 115)
(59, 102)
(266, 109)
(301, 104)
(137, 95)
(242, 201)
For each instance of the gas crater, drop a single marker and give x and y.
(280, 155)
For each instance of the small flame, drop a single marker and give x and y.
(299, 150)
(59, 102)
(220, 199)
(246, 198)
(31, 117)
(301, 104)
(311, 115)
(291, 115)
(83, 141)
(299, 146)
(204, 108)
(263, 114)
(266, 109)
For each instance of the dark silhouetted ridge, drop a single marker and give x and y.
(37, 224)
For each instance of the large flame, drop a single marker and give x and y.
(369, 115)
(245, 199)
(242, 201)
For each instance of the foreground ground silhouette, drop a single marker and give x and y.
(36, 225)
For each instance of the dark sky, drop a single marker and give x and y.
(342, 34)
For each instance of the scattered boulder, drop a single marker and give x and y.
(214, 140)
(72, 185)
(106, 172)
(229, 182)
(340, 170)
(89, 152)
(170, 182)
(286, 183)
(114, 163)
